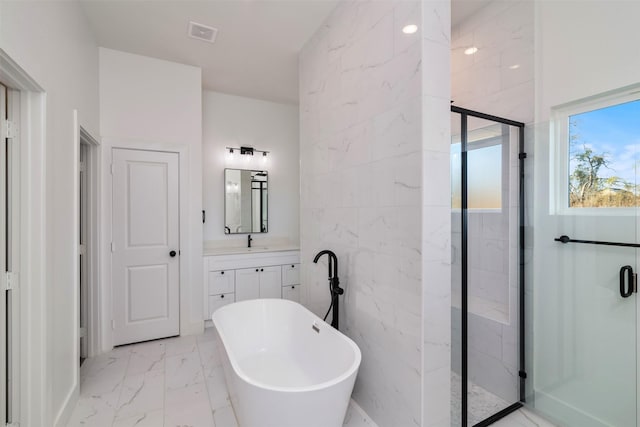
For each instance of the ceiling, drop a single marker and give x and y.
(256, 50)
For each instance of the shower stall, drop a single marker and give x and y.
(487, 216)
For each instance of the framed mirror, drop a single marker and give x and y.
(245, 201)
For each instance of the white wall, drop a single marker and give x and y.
(53, 44)
(374, 128)
(155, 104)
(234, 121)
(599, 54)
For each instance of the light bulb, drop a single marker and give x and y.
(410, 29)
(470, 50)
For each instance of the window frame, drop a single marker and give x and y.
(505, 153)
(559, 151)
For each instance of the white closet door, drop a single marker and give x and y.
(146, 262)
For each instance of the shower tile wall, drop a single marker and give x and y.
(362, 158)
(497, 80)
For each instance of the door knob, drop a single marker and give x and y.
(172, 254)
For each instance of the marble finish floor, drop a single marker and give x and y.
(523, 418)
(171, 382)
(482, 403)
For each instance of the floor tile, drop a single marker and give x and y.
(147, 419)
(186, 395)
(94, 411)
(217, 388)
(209, 356)
(181, 345)
(141, 362)
(141, 394)
(224, 417)
(523, 418)
(183, 370)
(194, 414)
(176, 382)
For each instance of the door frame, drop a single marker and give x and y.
(93, 227)
(31, 386)
(186, 324)
(513, 217)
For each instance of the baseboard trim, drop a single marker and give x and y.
(64, 414)
(362, 413)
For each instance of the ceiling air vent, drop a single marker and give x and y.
(202, 32)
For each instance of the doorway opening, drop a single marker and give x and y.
(88, 231)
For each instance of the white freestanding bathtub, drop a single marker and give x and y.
(284, 366)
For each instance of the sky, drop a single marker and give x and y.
(615, 131)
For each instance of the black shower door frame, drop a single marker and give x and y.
(464, 114)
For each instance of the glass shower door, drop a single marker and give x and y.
(585, 308)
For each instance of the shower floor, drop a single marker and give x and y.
(481, 403)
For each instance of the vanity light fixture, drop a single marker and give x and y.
(470, 50)
(247, 151)
(410, 29)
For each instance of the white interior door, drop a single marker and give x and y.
(146, 266)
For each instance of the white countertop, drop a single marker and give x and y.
(252, 250)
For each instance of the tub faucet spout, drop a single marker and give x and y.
(334, 285)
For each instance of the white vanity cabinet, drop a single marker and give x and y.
(291, 282)
(258, 282)
(250, 275)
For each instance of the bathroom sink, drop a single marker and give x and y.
(258, 249)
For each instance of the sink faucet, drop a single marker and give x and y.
(249, 239)
(334, 284)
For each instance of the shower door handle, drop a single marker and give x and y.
(628, 281)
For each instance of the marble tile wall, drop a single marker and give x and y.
(498, 80)
(372, 131)
(436, 213)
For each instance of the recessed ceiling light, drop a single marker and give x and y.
(202, 32)
(514, 66)
(410, 29)
(470, 50)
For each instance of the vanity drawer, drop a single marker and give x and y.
(290, 274)
(222, 282)
(291, 292)
(217, 301)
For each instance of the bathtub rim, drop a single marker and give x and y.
(351, 370)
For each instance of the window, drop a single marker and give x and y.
(597, 153)
(603, 156)
(484, 169)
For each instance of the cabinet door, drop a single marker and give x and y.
(291, 292)
(247, 284)
(221, 282)
(217, 301)
(291, 274)
(271, 282)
